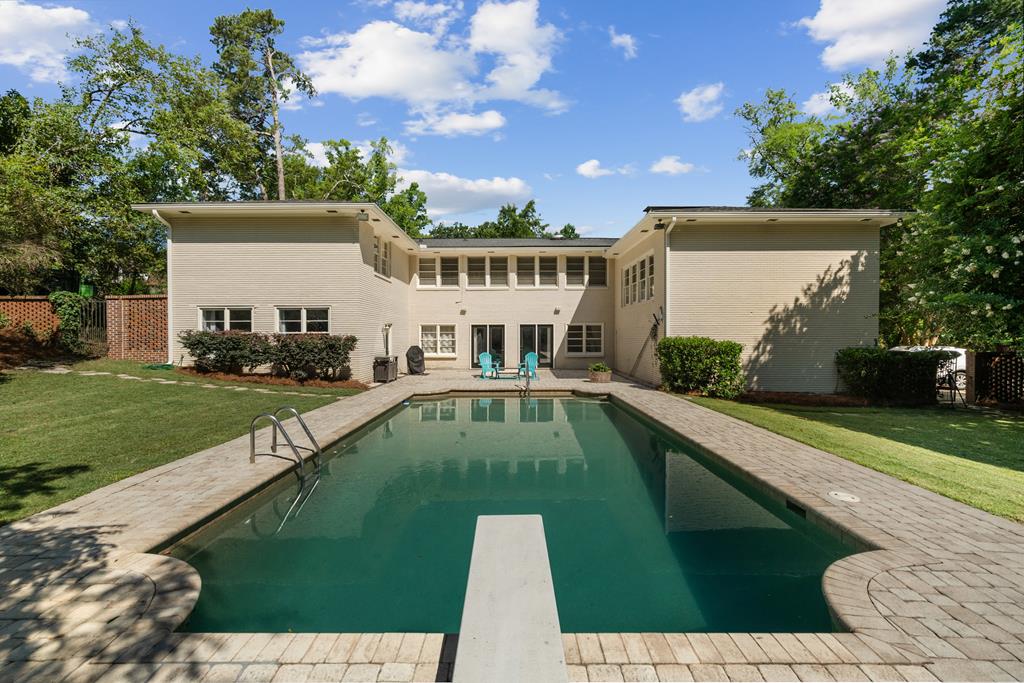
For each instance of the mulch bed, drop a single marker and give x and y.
(17, 349)
(263, 378)
(802, 399)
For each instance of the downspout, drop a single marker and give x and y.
(170, 308)
(665, 275)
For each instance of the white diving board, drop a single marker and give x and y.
(510, 631)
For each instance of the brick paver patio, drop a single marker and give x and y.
(938, 592)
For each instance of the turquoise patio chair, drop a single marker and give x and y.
(487, 369)
(529, 365)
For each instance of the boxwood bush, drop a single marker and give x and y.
(299, 356)
(895, 377)
(701, 365)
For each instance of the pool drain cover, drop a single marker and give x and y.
(843, 496)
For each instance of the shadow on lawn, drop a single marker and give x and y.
(979, 435)
(18, 482)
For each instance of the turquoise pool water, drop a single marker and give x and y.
(642, 533)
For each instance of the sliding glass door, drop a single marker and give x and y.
(489, 339)
(539, 339)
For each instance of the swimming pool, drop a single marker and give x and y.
(643, 533)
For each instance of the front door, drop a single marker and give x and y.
(539, 339)
(489, 339)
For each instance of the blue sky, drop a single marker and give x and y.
(594, 109)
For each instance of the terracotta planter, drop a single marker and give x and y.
(599, 376)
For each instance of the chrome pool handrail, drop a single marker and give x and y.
(316, 450)
(300, 464)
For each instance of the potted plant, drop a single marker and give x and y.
(599, 372)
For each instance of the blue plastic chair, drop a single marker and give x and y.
(529, 365)
(487, 369)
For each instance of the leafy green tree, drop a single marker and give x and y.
(513, 222)
(14, 111)
(454, 230)
(258, 78)
(568, 232)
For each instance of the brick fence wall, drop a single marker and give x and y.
(137, 328)
(35, 310)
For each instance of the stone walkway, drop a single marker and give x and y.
(938, 592)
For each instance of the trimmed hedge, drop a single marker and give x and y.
(299, 356)
(701, 365)
(895, 377)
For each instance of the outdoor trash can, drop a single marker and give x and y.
(385, 368)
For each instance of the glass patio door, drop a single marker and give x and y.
(489, 339)
(539, 339)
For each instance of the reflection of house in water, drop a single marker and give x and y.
(696, 499)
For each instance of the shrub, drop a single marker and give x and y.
(701, 365)
(300, 357)
(68, 307)
(4, 320)
(230, 351)
(599, 367)
(308, 356)
(897, 377)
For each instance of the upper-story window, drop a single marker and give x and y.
(437, 271)
(487, 271)
(382, 256)
(537, 271)
(590, 271)
(526, 271)
(638, 281)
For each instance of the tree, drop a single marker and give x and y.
(513, 222)
(258, 77)
(14, 111)
(568, 232)
(454, 230)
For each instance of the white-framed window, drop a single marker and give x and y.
(650, 276)
(382, 256)
(597, 271)
(575, 271)
(633, 284)
(625, 287)
(642, 269)
(300, 320)
(486, 271)
(547, 271)
(438, 271)
(438, 340)
(585, 339)
(526, 271)
(226, 318)
(427, 271)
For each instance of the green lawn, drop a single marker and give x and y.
(64, 435)
(974, 456)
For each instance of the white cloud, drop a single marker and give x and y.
(316, 150)
(582, 230)
(670, 165)
(34, 38)
(439, 74)
(453, 123)
(436, 16)
(399, 152)
(866, 31)
(592, 168)
(449, 194)
(365, 119)
(820, 103)
(623, 40)
(702, 103)
(119, 24)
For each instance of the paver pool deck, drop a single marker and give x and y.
(938, 592)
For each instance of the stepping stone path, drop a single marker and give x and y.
(63, 370)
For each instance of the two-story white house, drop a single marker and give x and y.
(793, 286)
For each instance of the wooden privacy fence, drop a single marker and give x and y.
(995, 377)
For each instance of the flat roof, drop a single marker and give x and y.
(762, 209)
(580, 243)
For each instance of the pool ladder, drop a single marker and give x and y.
(300, 462)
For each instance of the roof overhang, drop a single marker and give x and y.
(368, 213)
(658, 219)
(553, 250)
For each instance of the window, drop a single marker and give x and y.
(633, 285)
(299, 320)
(450, 271)
(499, 271)
(382, 256)
(220, 319)
(575, 270)
(585, 340)
(428, 272)
(548, 271)
(625, 287)
(476, 271)
(650, 276)
(643, 278)
(597, 271)
(437, 340)
(526, 271)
